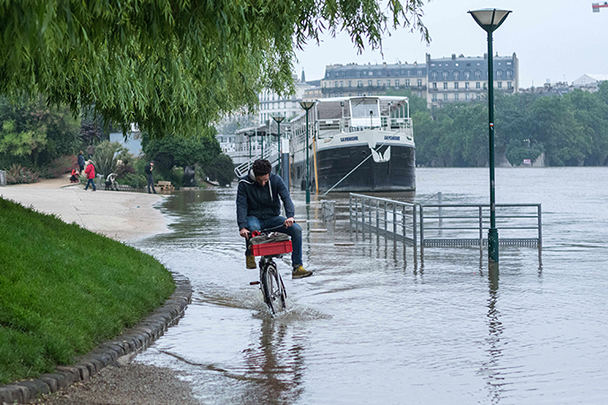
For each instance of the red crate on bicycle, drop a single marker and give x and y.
(269, 245)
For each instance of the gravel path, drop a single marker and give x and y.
(131, 384)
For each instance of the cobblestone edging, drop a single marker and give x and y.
(135, 340)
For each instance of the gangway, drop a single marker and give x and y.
(270, 153)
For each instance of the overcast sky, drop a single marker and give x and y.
(555, 40)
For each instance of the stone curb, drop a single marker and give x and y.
(134, 341)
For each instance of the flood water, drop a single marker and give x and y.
(375, 326)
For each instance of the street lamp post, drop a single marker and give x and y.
(490, 19)
(278, 120)
(307, 105)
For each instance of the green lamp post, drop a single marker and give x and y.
(490, 19)
(278, 120)
(307, 105)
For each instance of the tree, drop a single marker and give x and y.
(173, 66)
(181, 151)
(33, 134)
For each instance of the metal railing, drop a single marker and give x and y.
(270, 153)
(392, 219)
(467, 224)
(445, 225)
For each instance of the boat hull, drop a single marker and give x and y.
(396, 174)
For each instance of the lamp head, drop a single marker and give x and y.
(307, 105)
(278, 119)
(489, 18)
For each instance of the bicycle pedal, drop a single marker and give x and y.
(254, 283)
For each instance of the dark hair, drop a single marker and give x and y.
(261, 167)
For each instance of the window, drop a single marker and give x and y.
(434, 86)
(407, 83)
(509, 74)
(369, 83)
(478, 85)
(350, 83)
(445, 75)
(445, 96)
(455, 85)
(419, 82)
(378, 83)
(445, 85)
(477, 74)
(466, 85)
(509, 85)
(466, 97)
(397, 83)
(467, 75)
(456, 74)
(456, 97)
(433, 75)
(434, 96)
(341, 83)
(359, 83)
(499, 74)
(335, 85)
(499, 85)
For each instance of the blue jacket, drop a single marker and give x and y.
(80, 160)
(253, 200)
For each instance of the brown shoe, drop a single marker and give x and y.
(251, 262)
(300, 272)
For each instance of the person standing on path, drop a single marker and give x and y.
(81, 161)
(90, 172)
(148, 170)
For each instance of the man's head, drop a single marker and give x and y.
(261, 170)
(152, 163)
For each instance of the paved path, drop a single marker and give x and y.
(119, 215)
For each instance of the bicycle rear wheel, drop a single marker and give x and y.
(273, 288)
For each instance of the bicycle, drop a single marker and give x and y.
(269, 245)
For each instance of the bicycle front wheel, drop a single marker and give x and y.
(273, 288)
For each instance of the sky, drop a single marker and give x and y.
(558, 40)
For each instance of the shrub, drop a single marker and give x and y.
(17, 174)
(59, 166)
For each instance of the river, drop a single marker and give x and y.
(375, 326)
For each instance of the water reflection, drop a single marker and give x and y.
(491, 370)
(276, 361)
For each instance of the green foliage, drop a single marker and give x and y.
(33, 134)
(173, 66)
(59, 166)
(64, 290)
(181, 151)
(571, 130)
(107, 157)
(220, 169)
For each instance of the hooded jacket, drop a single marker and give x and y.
(262, 202)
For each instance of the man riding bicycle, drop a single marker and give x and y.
(258, 206)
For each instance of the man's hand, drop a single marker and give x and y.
(289, 222)
(244, 232)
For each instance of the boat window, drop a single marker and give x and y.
(365, 112)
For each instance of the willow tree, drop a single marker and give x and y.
(174, 65)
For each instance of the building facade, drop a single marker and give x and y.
(372, 80)
(465, 78)
(274, 105)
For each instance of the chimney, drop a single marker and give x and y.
(453, 56)
(303, 76)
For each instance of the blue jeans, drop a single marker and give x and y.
(91, 181)
(295, 231)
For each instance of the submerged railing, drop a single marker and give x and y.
(390, 218)
(445, 225)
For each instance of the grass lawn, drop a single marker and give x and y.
(64, 290)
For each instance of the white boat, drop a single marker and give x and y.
(355, 144)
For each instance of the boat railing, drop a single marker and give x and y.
(331, 127)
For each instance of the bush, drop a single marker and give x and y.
(17, 174)
(109, 156)
(220, 169)
(59, 166)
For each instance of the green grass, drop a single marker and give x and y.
(64, 290)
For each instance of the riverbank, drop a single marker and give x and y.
(119, 215)
(122, 216)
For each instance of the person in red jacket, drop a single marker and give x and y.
(90, 172)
